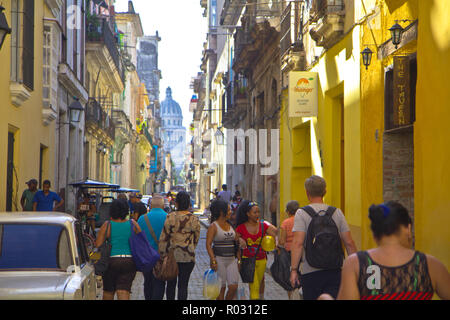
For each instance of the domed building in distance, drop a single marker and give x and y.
(173, 132)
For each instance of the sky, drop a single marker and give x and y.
(182, 29)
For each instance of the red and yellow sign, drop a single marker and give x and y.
(303, 94)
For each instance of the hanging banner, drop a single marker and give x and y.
(303, 94)
(402, 92)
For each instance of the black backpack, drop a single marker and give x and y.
(323, 248)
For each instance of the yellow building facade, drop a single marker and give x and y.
(426, 45)
(27, 141)
(432, 133)
(328, 145)
(144, 146)
(363, 144)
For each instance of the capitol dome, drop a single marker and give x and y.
(170, 107)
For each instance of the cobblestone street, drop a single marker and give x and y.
(272, 290)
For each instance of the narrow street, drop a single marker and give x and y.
(268, 106)
(272, 290)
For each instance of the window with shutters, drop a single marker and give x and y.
(47, 67)
(22, 51)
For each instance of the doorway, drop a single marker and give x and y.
(10, 173)
(342, 154)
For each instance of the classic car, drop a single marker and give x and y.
(42, 256)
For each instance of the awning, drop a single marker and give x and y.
(124, 190)
(92, 184)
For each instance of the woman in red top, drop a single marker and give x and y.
(392, 271)
(250, 229)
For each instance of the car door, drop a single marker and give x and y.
(88, 280)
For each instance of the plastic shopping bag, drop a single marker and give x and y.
(211, 284)
(241, 293)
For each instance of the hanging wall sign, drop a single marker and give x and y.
(402, 101)
(303, 94)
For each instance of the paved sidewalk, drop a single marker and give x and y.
(195, 291)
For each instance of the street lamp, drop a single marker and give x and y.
(4, 28)
(366, 56)
(75, 110)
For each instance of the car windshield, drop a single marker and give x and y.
(34, 246)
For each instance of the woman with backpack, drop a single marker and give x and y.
(392, 270)
(221, 242)
(181, 232)
(121, 267)
(251, 229)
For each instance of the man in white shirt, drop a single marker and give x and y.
(225, 195)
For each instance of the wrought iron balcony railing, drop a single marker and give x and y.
(103, 34)
(97, 116)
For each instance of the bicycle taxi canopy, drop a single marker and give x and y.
(124, 190)
(92, 184)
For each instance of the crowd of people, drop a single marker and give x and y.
(314, 236)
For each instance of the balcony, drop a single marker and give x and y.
(291, 42)
(238, 105)
(204, 5)
(252, 42)
(147, 135)
(290, 37)
(123, 124)
(330, 17)
(231, 12)
(98, 119)
(101, 45)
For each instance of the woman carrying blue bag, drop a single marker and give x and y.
(144, 256)
(121, 271)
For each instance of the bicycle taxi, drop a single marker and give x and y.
(92, 209)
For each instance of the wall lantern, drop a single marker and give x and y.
(4, 28)
(220, 138)
(396, 33)
(366, 56)
(142, 167)
(75, 110)
(101, 147)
